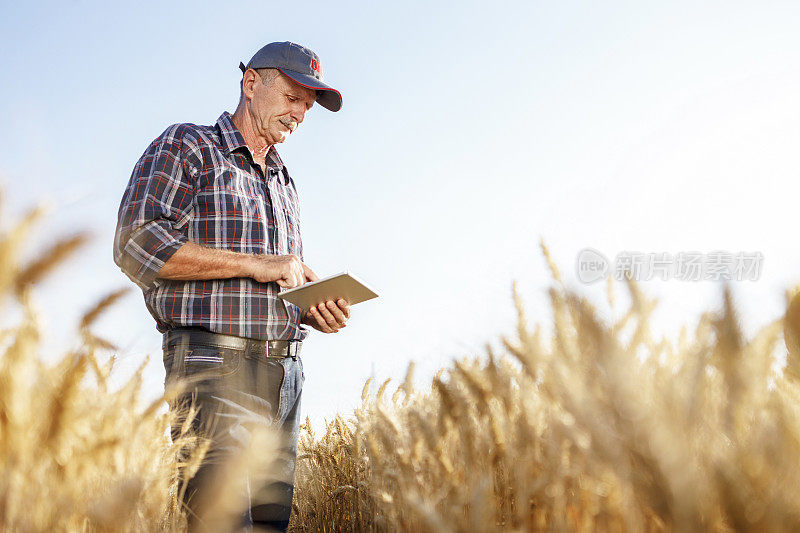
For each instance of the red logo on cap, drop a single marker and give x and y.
(314, 65)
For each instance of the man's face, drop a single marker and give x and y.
(279, 108)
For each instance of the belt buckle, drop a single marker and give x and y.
(291, 349)
(271, 349)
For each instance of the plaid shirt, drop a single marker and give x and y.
(199, 184)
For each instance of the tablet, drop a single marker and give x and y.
(343, 285)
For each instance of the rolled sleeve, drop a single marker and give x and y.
(155, 209)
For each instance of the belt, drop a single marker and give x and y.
(197, 336)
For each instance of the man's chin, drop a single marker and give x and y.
(281, 137)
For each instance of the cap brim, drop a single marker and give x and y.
(327, 96)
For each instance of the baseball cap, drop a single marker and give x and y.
(300, 64)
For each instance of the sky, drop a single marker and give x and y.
(469, 132)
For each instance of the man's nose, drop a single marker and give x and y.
(298, 114)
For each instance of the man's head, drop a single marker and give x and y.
(274, 103)
(279, 85)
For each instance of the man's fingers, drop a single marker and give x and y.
(320, 321)
(292, 277)
(324, 327)
(344, 306)
(295, 270)
(337, 313)
(296, 273)
(288, 271)
(289, 281)
(326, 314)
(309, 274)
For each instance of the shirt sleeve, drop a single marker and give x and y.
(155, 209)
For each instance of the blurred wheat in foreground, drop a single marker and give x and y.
(599, 428)
(75, 455)
(592, 426)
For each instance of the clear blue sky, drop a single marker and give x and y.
(469, 130)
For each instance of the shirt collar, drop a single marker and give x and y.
(233, 140)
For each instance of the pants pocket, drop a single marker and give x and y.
(210, 360)
(267, 377)
(200, 367)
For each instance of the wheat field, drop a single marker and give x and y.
(581, 424)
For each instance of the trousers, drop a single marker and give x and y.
(233, 392)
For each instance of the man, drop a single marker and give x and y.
(208, 228)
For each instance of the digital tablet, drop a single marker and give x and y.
(344, 285)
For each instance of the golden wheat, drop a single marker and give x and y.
(73, 457)
(582, 424)
(599, 428)
(77, 456)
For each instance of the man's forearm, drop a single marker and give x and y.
(193, 261)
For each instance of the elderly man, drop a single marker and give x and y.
(208, 228)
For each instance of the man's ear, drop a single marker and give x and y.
(249, 81)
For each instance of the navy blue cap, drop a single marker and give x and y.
(300, 64)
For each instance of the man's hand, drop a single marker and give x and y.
(286, 270)
(328, 317)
